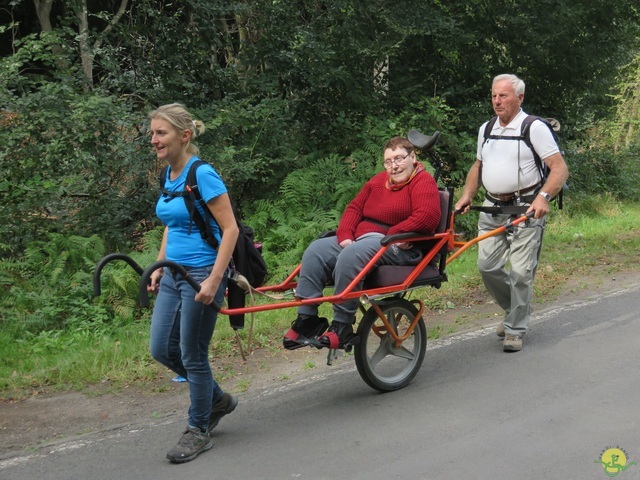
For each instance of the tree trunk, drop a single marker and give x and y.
(87, 51)
(43, 10)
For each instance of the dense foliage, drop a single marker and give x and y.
(297, 97)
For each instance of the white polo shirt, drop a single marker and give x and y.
(508, 165)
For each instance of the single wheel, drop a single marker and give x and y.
(380, 364)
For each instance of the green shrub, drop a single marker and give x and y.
(600, 170)
(73, 163)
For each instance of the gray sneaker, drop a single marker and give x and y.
(512, 343)
(225, 405)
(193, 442)
(500, 330)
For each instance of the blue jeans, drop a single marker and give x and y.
(181, 332)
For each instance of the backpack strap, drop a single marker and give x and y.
(542, 167)
(488, 128)
(162, 178)
(525, 133)
(192, 196)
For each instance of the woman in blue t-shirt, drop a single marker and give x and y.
(183, 322)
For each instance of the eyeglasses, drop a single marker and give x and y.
(397, 160)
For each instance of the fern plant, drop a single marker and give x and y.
(50, 285)
(50, 288)
(310, 201)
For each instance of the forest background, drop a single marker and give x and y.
(298, 98)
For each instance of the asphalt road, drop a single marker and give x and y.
(473, 412)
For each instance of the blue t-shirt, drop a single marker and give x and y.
(189, 249)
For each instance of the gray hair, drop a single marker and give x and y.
(178, 116)
(518, 84)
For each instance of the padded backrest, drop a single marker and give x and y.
(434, 273)
(445, 213)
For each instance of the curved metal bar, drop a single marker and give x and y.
(104, 261)
(146, 278)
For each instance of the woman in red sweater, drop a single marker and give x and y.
(403, 198)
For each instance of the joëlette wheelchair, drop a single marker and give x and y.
(391, 337)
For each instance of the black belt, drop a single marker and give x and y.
(512, 201)
(509, 206)
(525, 196)
(513, 210)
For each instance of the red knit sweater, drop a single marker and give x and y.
(413, 208)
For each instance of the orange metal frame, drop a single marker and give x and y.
(380, 332)
(441, 240)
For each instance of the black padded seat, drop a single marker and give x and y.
(386, 275)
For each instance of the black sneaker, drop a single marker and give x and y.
(338, 335)
(222, 407)
(303, 328)
(193, 442)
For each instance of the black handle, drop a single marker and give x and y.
(146, 279)
(104, 261)
(387, 239)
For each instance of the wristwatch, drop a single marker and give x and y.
(545, 195)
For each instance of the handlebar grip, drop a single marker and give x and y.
(104, 261)
(146, 279)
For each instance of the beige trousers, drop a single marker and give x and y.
(508, 263)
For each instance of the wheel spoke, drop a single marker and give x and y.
(403, 352)
(381, 352)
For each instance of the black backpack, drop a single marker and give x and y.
(246, 260)
(525, 137)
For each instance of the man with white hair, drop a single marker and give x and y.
(506, 166)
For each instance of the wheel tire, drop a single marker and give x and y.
(380, 364)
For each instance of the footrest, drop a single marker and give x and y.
(335, 353)
(346, 346)
(294, 340)
(334, 342)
